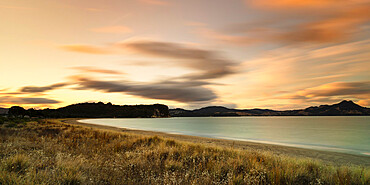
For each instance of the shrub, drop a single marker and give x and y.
(18, 164)
(69, 176)
(11, 124)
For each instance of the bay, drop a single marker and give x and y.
(348, 134)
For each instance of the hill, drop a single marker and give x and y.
(101, 110)
(344, 108)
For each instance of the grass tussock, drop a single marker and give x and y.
(17, 163)
(52, 152)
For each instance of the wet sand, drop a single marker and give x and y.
(336, 158)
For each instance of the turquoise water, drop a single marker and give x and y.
(348, 134)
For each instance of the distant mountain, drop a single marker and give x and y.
(101, 110)
(3, 111)
(344, 108)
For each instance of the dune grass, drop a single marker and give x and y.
(52, 152)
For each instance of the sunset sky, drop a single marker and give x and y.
(278, 54)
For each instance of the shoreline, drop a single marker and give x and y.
(336, 158)
(310, 147)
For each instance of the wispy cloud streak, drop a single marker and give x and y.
(209, 62)
(26, 100)
(174, 91)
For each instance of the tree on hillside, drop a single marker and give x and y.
(17, 111)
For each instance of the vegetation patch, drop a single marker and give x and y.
(52, 152)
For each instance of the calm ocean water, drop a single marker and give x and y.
(348, 134)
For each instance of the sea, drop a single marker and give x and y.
(346, 134)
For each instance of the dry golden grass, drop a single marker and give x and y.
(52, 152)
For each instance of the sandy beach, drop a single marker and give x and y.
(325, 156)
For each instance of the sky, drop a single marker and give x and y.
(276, 54)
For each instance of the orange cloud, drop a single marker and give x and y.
(112, 29)
(300, 21)
(86, 49)
(97, 70)
(209, 63)
(339, 27)
(154, 2)
(300, 4)
(231, 39)
(337, 89)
